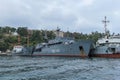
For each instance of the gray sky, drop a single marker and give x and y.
(73, 15)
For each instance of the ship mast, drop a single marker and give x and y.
(18, 39)
(58, 32)
(28, 40)
(46, 37)
(105, 21)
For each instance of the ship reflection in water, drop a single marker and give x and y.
(58, 68)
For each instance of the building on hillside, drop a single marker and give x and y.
(58, 33)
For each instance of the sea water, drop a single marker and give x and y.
(58, 68)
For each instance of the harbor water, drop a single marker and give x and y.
(58, 68)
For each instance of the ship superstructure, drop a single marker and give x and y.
(109, 46)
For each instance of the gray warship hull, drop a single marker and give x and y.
(81, 48)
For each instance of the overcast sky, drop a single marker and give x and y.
(74, 15)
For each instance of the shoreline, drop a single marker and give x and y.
(5, 54)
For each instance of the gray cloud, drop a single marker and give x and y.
(75, 15)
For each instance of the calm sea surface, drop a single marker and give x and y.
(58, 68)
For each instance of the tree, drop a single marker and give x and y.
(3, 46)
(50, 34)
(22, 31)
(6, 29)
(10, 39)
(37, 37)
(13, 29)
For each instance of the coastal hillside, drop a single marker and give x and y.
(10, 36)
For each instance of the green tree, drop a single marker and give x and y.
(36, 37)
(13, 29)
(3, 46)
(10, 39)
(6, 29)
(50, 35)
(22, 31)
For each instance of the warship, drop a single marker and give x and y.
(60, 46)
(108, 46)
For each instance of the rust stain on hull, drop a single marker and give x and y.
(116, 55)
